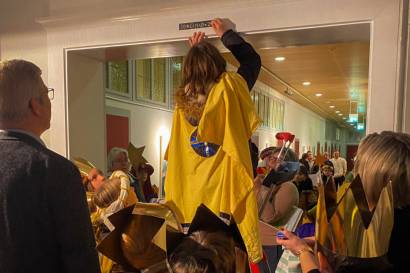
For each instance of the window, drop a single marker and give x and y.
(117, 78)
(150, 80)
(176, 76)
(269, 109)
(143, 78)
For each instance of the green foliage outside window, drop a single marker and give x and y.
(117, 79)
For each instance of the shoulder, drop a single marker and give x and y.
(58, 161)
(233, 78)
(49, 158)
(59, 167)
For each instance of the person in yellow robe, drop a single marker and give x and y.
(208, 153)
(114, 195)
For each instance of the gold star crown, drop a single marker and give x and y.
(146, 233)
(346, 226)
(135, 156)
(83, 165)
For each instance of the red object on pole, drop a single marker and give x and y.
(287, 139)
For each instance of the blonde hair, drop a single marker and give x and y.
(20, 81)
(384, 157)
(107, 193)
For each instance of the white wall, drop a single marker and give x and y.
(86, 110)
(147, 124)
(22, 38)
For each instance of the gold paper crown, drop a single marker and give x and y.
(345, 226)
(146, 233)
(83, 165)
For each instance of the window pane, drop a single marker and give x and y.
(176, 77)
(266, 119)
(256, 102)
(262, 108)
(117, 79)
(176, 72)
(159, 70)
(143, 78)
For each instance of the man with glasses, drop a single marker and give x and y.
(44, 218)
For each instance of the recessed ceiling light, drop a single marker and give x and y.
(344, 117)
(340, 114)
(318, 94)
(280, 59)
(331, 106)
(306, 83)
(337, 111)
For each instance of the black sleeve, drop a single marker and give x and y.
(71, 218)
(249, 60)
(314, 271)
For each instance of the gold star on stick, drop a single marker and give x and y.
(135, 156)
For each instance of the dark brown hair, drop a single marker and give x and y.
(204, 252)
(202, 67)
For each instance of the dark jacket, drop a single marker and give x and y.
(44, 220)
(313, 170)
(249, 60)
(400, 237)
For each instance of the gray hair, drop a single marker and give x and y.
(20, 81)
(112, 155)
(383, 157)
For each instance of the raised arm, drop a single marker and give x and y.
(249, 60)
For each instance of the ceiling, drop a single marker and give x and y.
(334, 59)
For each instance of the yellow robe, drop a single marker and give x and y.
(224, 181)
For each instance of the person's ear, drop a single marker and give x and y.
(36, 106)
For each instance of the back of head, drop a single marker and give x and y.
(204, 252)
(202, 67)
(19, 82)
(382, 157)
(107, 193)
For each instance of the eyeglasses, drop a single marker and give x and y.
(50, 93)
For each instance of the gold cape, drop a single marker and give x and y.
(224, 181)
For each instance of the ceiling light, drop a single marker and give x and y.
(280, 59)
(306, 83)
(340, 114)
(337, 111)
(331, 106)
(318, 94)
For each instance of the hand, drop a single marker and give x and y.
(221, 26)
(196, 38)
(293, 242)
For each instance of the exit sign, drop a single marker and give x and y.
(193, 25)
